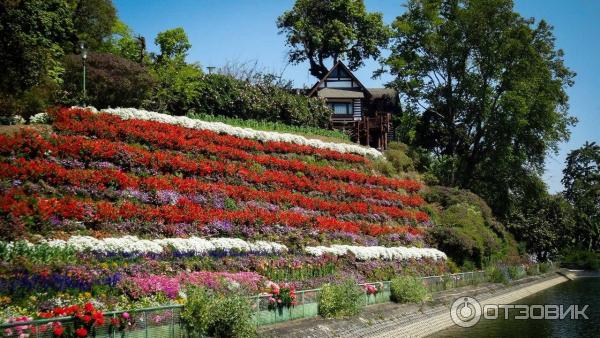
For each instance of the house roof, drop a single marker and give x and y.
(337, 64)
(340, 93)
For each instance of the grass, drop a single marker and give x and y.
(310, 132)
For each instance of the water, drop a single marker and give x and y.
(582, 291)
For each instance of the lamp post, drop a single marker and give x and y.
(83, 59)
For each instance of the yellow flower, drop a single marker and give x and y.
(104, 265)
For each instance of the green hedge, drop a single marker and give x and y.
(223, 95)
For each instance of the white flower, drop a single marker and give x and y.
(140, 114)
(39, 118)
(132, 245)
(377, 252)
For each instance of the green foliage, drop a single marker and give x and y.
(467, 230)
(582, 188)
(33, 36)
(225, 96)
(341, 300)
(316, 30)
(545, 225)
(122, 43)
(496, 102)
(112, 81)
(173, 43)
(408, 289)
(516, 272)
(496, 274)
(581, 259)
(397, 155)
(209, 314)
(93, 21)
(275, 126)
(178, 87)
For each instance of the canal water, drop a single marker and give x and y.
(584, 291)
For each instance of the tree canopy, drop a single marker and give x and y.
(485, 91)
(582, 188)
(317, 30)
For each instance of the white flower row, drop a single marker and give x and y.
(219, 127)
(136, 246)
(377, 252)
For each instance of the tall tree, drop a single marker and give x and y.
(173, 43)
(32, 36)
(317, 30)
(582, 188)
(178, 81)
(94, 21)
(488, 89)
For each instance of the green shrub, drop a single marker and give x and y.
(496, 274)
(341, 300)
(397, 156)
(582, 259)
(408, 289)
(208, 314)
(516, 272)
(224, 95)
(545, 267)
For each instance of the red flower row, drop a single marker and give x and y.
(221, 139)
(32, 170)
(18, 204)
(184, 139)
(32, 145)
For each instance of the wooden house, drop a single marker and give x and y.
(363, 112)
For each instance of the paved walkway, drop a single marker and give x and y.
(410, 320)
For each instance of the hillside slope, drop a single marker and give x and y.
(130, 210)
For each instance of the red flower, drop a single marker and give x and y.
(59, 330)
(81, 332)
(89, 307)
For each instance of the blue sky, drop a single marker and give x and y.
(244, 30)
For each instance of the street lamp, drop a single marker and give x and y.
(83, 59)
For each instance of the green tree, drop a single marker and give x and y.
(123, 43)
(546, 226)
(339, 29)
(488, 87)
(178, 82)
(32, 36)
(582, 188)
(174, 45)
(113, 81)
(93, 21)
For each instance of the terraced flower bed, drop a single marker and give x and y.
(125, 209)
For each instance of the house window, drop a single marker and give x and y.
(341, 108)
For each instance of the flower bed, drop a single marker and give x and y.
(129, 208)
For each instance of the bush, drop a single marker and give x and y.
(397, 156)
(209, 314)
(224, 95)
(516, 272)
(408, 289)
(341, 300)
(496, 274)
(111, 81)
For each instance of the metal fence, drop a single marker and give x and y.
(166, 321)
